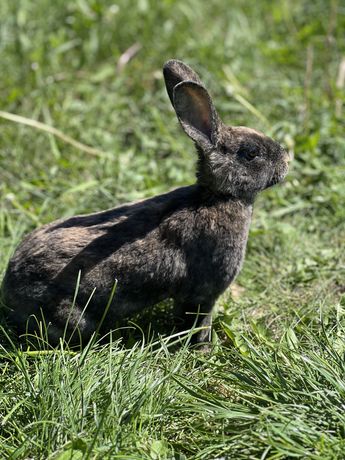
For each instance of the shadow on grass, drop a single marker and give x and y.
(145, 327)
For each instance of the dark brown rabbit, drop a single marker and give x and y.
(187, 244)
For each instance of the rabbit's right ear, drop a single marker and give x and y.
(196, 113)
(175, 72)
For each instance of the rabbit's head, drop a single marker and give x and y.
(233, 161)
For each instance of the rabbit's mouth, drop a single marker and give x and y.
(280, 171)
(278, 175)
(275, 180)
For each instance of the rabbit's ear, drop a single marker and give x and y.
(196, 113)
(174, 73)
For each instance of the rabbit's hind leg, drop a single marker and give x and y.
(71, 323)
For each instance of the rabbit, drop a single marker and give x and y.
(187, 245)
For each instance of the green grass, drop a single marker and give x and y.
(274, 386)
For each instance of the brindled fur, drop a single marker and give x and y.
(187, 244)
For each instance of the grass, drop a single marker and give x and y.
(274, 386)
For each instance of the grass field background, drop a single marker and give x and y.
(274, 385)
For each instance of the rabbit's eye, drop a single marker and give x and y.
(224, 149)
(248, 152)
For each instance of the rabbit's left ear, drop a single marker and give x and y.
(175, 72)
(196, 113)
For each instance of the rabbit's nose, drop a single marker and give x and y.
(288, 155)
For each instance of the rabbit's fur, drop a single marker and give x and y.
(187, 244)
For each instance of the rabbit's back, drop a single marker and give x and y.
(104, 242)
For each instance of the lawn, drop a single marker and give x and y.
(273, 386)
